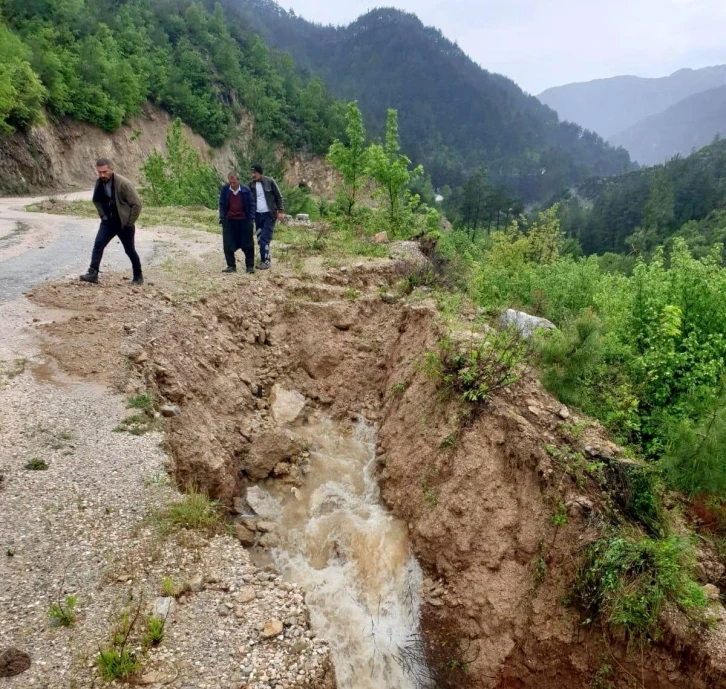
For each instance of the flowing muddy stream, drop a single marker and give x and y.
(353, 559)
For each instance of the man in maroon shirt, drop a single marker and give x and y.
(236, 212)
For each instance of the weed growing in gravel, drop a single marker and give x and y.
(136, 424)
(170, 589)
(626, 579)
(194, 511)
(63, 613)
(145, 402)
(154, 631)
(117, 664)
(36, 464)
(116, 661)
(449, 442)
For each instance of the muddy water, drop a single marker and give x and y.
(354, 560)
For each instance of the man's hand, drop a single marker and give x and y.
(280, 215)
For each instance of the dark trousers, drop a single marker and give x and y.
(237, 234)
(106, 232)
(265, 229)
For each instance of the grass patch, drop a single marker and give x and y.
(63, 613)
(187, 217)
(397, 389)
(117, 661)
(194, 511)
(154, 631)
(170, 589)
(137, 424)
(145, 402)
(626, 580)
(36, 464)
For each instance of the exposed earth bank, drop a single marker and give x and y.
(479, 502)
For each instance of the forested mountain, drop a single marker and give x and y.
(454, 116)
(610, 106)
(642, 210)
(684, 127)
(100, 60)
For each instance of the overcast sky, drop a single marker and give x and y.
(543, 43)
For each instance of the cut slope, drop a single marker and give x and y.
(609, 106)
(684, 127)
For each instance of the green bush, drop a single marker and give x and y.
(475, 371)
(626, 580)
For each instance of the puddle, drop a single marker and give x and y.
(354, 560)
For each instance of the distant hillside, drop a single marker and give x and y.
(684, 127)
(610, 106)
(646, 208)
(454, 116)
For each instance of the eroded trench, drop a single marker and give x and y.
(281, 398)
(402, 544)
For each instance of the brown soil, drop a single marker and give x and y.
(480, 513)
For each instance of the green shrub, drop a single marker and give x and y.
(475, 371)
(625, 581)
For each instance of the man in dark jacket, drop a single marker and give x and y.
(118, 206)
(236, 211)
(270, 209)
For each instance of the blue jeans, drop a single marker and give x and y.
(265, 229)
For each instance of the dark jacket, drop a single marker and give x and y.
(248, 201)
(272, 194)
(128, 203)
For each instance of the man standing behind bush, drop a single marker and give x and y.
(270, 209)
(236, 211)
(119, 207)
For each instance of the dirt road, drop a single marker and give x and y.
(36, 247)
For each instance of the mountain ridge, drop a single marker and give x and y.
(612, 105)
(454, 116)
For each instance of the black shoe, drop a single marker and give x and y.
(230, 269)
(265, 265)
(90, 276)
(251, 271)
(138, 280)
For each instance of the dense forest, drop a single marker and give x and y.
(100, 61)
(454, 116)
(648, 208)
